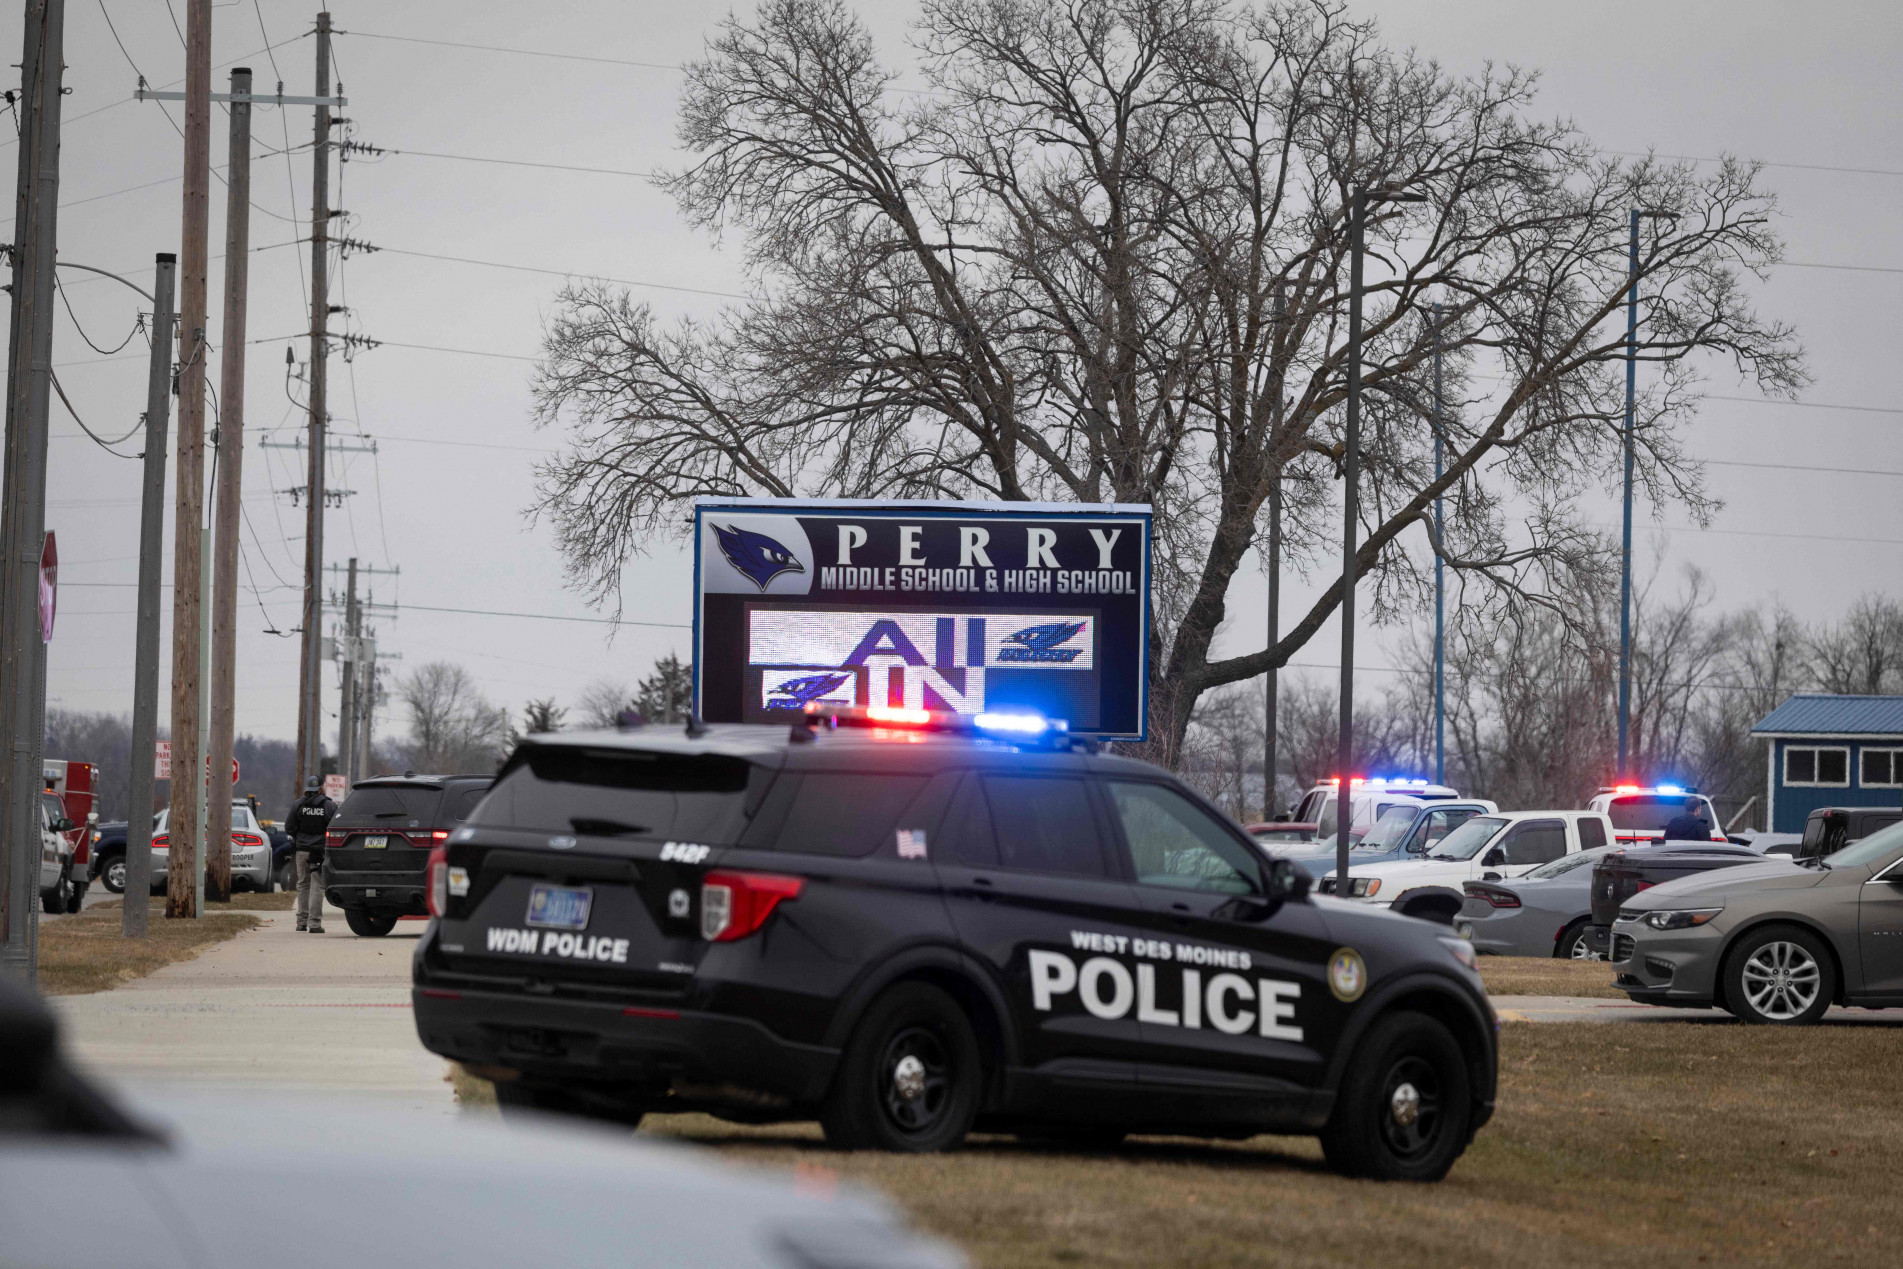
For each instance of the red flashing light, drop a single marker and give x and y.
(735, 904)
(899, 715)
(440, 835)
(1626, 788)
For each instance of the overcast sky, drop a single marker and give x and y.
(1810, 89)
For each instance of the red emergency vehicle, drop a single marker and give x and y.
(77, 786)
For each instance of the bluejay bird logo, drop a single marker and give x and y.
(799, 693)
(755, 554)
(1041, 643)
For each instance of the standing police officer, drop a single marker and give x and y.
(310, 817)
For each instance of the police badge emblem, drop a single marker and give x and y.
(1347, 975)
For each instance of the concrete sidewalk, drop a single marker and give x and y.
(270, 1009)
(1600, 1009)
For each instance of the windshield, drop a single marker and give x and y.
(1390, 830)
(1566, 863)
(1869, 850)
(1465, 842)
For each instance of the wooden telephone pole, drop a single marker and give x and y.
(188, 763)
(310, 745)
(224, 613)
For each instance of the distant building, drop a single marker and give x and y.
(1831, 751)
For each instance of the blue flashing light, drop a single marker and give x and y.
(1018, 724)
(1670, 789)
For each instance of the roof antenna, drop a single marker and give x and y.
(695, 727)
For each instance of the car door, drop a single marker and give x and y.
(1880, 933)
(1527, 845)
(1033, 892)
(1231, 989)
(1435, 823)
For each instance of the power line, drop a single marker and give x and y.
(524, 52)
(563, 273)
(550, 167)
(543, 616)
(1802, 167)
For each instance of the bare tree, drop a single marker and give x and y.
(1863, 654)
(602, 702)
(1053, 276)
(452, 726)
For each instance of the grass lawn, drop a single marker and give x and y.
(1546, 976)
(86, 953)
(1680, 1143)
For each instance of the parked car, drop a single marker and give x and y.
(1485, 848)
(378, 846)
(1544, 913)
(1640, 814)
(421, 1188)
(252, 863)
(1406, 830)
(1771, 941)
(1829, 829)
(1767, 843)
(56, 857)
(911, 925)
(1368, 800)
(1621, 874)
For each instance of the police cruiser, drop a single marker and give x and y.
(911, 925)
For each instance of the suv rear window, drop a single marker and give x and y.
(1647, 812)
(615, 792)
(372, 802)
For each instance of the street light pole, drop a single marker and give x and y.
(1625, 547)
(1351, 512)
(1440, 585)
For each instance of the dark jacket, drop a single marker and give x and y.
(1688, 828)
(310, 816)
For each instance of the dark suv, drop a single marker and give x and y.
(908, 926)
(377, 847)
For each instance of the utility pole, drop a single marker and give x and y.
(310, 747)
(1440, 585)
(145, 674)
(347, 664)
(184, 832)
(23, 502)
(224, 611)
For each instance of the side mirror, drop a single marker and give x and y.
(62, 825)
(1285, 882)
(1493, 858)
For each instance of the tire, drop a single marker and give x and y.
(286, 876)
(1572, 945)
(53, 902)
(910, 1076)
(1780, 976)
(78, 897)
(517, 1100)
(112, 874)
(1405, 1105)
(370, 925)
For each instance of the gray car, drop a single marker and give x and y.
(1543, 913)
(1776, 942)
(1406, 830)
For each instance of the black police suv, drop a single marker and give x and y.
(376, 850)
(909, 926)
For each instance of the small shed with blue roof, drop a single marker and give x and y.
(1831, 751)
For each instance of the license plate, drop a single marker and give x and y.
(559, 907)
(376, 843)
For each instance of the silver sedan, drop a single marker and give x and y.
(1542, 913)
(1776, 942)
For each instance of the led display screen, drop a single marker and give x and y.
(947, 606)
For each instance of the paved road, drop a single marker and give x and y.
(271, 1009)
(1598, 1009)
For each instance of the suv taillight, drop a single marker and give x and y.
(437, 871)
(735, 904)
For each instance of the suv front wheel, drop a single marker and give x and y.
(910, 1076)
(1403, 1110)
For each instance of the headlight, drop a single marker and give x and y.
(1463, 950)
(1365, 887)
(1679, 918)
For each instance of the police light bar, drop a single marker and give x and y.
(1670, 788)
(1024, 726)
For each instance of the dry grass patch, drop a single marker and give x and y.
(86, 953)
(1546, 976)
(1681, 1143)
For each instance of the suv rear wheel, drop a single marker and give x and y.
(1780, 976)
(1403, 1109)
(371, 925)
(910, 1076)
